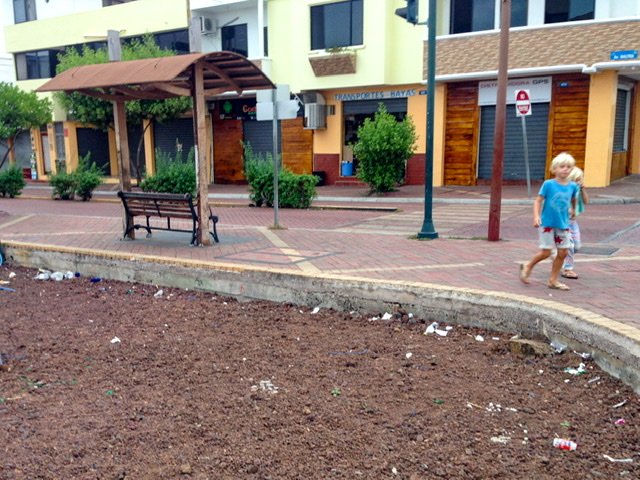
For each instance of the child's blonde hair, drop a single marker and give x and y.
(576, 174)
(562, 159)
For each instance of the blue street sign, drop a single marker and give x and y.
(624, 55)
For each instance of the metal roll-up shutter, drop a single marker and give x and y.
(620, 129)
(514, 165)
(260, 136)
(394, 105)
(170, 134)
(97, 142)
(133, 133)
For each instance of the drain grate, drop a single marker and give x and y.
(599, 250)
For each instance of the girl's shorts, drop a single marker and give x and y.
(551, 238)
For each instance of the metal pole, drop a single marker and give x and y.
(428, 229)
(526, 154)
(276, 169)
(498, 138)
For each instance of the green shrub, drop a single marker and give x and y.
(384, 145)
(11, 182)
(173, 175)
(294, 191)
(64, 185)
(82, 182)
(88, 176)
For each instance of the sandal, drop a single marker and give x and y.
(569, 274)
(524, 273)
(558, 286)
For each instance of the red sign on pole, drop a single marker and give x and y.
(523, 103)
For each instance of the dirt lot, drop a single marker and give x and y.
(113, 380)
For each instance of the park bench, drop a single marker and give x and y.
(163, 205)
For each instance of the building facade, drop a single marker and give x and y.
(578, 59)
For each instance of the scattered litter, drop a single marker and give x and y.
(43, 275)
(387, 316)
(495, 338)
(564, 444)
(315, 310)
(594, 379)
(431, 328)
(12, 274)
(471, 405)
(69, 275)
(4, 282)
(115, 340)
(565, 424)
(410, 315)
(618, 405)
(448, 328)
(159, 293)
(558, 347)
(265, 386)
(494, 407)
(479, 338)
(7, 289)
(584, 356)
(57, 276)
(576, 371)
(621, 460)
(442, 333)
(502, 439)
(620, 421)
(95, 279)
(408, 355)
(394, 470)
(438, 401)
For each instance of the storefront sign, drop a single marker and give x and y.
(377, 95)
(539, 89)
(236, 109)
(624, 55)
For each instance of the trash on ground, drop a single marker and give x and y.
(431, 328)
(408, 355)
(594, 379)
(584, 355)
(7, 289)
(442, 333)
(576, 371)
(159, 293)
(620, 421)
(12, 274)
(315, 310)
(621, 460)
(43, 275)
(95, 279)
(57, 276)
(115, 340)
(502, 439)
(265, 386)
(618, 405)
(387, 316)
(558, 347)
(564, 444)
(479, 338)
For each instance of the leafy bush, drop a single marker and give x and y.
(11, 182)
(294, 191)
(82, 182)
(172, 175)
(384, 145)
(64, 185)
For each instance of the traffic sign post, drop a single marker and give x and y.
(523, 109)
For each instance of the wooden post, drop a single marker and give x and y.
(200, 141)
(495, 201)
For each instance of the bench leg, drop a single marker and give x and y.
(214, 233)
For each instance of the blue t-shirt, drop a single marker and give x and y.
(557, 201)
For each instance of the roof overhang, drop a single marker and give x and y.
(161, 78)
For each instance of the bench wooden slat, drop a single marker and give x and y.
(166, 206)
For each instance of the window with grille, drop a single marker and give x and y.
(336, 24)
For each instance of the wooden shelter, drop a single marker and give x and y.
(198, 75)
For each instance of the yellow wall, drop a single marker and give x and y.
(600, 126)
(132, 18)
(391, 52)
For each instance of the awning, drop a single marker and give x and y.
(160, 78)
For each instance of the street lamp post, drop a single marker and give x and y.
(428, 230)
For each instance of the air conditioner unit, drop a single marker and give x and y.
(208, 26)
(315, 115)
(312, 97)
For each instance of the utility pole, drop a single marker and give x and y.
(498, 137)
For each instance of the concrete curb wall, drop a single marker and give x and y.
(613, 345)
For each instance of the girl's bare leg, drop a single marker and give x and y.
(525, 270)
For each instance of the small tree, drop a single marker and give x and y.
(384, 145)
(94, 111)
(19, 112)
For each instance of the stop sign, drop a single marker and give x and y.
(523, 103)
